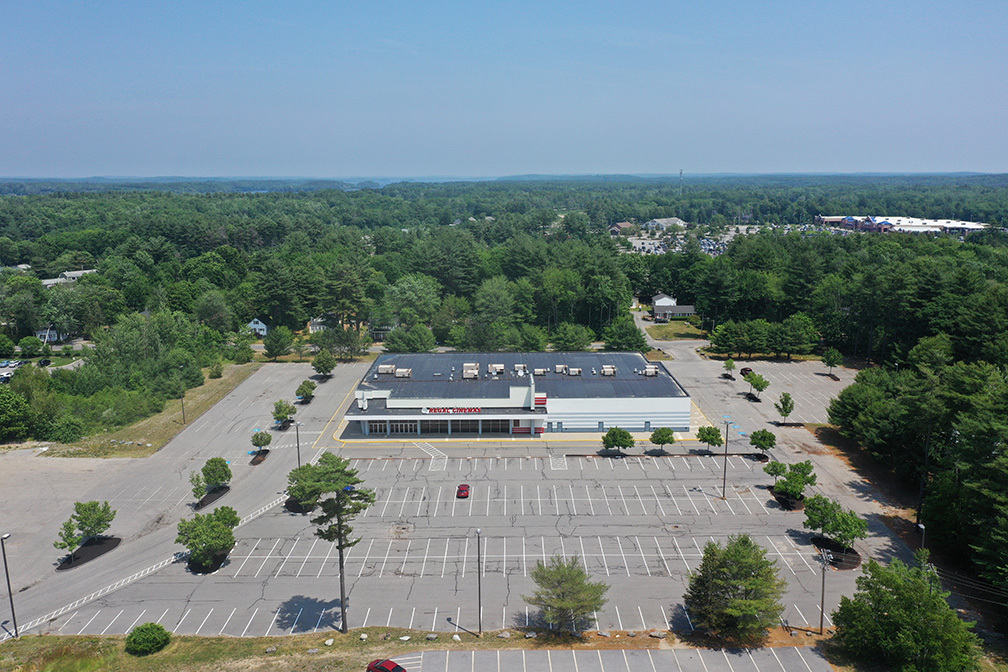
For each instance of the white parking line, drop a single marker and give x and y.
(692, 503)
(573, 502)
(203, 623)
(662, 556)
(445, 562)
(265, 558)
(426, 551)
(783, 559)
(640, 549)
(319, 621)
(280, 568)
(307, 555)
(381, 572)
(403, 507)
(683, 557)
(332, 545)
(163, 614)
(660, 507)
(249, 622)
(626, 565)
(179, 624)
(136, 620)
(364, 563)
(420, 500)
(227, 621)
(405, 556)
(112, 621)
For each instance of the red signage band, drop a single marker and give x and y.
(450, 410)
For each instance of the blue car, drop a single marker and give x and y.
(4, 363)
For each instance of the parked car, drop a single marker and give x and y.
(44, 362)
(14, 364)
(745, 371)
(4, 364)
(385, 666)
(463, 491)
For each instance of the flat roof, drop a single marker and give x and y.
(437, 376)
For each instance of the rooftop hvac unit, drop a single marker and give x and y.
(574, 371)
(474, 366)
(403, 373)
(470, 373)
(608, 370)
(560, 368)
(650, 370)
(496, 369)
(540, 372)
(386, 368)
(521, 368)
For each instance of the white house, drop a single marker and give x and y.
(50, 335)
(258, 327)
(68, 276)
(317, 324)
(665, 223)
(664, 307)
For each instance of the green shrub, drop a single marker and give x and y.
(66, 429)
(146, 639)
(216, 370)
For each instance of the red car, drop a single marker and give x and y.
(463, 491)
(745, 371)
(384, 666)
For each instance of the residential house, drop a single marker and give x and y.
(665, 307)
(258, 327)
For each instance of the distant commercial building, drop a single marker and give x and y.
(517, 394)
(901, 224)
(665, 223)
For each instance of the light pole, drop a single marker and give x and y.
(824, 557)
(182, 385)
(297, 434)
(10, 593)
(920, 526)
(724, 477)
(479, 582)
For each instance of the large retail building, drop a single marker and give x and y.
(517, 393)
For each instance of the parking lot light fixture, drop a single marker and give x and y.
(724, 477)
(479, 582)
(10, 593)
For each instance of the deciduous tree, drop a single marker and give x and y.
(618, 438)
(785, 406)
(323, 363)
(208, 535)
(763, 440)
(832, 358)
(710, 435)
(663, 436)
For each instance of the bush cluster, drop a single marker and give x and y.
(146, 639)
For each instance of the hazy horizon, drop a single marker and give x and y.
(455, 91)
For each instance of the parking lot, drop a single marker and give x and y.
(638, 522)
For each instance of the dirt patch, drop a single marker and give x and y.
(91, 550)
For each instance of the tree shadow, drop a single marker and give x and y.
(307, 614)
(657, 452)
(611, 452)
(544, 629)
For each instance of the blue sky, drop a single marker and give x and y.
(411, 89)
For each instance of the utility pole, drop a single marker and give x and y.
(479, 582)
(824, 557)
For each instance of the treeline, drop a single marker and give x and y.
(132, 368)
(941, 422)
(871, 296)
